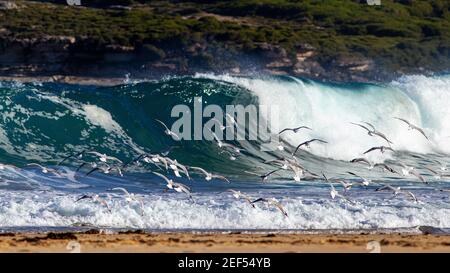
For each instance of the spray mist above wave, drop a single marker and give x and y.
(330, 108)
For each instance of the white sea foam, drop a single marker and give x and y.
(41, 209)
(432, 96)
(100, 117)
(329, 109)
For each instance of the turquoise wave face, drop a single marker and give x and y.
(45, 122)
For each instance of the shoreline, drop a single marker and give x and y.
(115, 81)
(77, 80)
(177, 242)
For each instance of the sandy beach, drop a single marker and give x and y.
(187, 242)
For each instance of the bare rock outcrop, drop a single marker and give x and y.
(7, 5)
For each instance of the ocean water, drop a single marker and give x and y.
(45, 122)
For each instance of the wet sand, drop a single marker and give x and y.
(96, 241)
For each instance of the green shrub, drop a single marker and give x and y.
(152, 53)
(398, 33)
(430, 30)
(382, 30)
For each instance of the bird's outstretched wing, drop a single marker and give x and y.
(220, 177)
(370, 125)
(385, 167)
(410, 194)
(280, 208)
(301, 127)
(285, 129)
(91, 171)
(298, 147)
(431, 170)
(404, 120)
(382, 136)
(372, 149)
(418, 175)
(266, 175)
(81, 166)
(386, 187)
(421, 131)
(70, 156)
(362, 126)
(199, 169)
(162, 123)
(83, 197)
(163, 177)
(318, 140)
(295, 130)
(258, 200)
(134, 160)
(361, 160)
(121, 189)
(35, 165)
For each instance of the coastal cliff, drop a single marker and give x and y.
(331, 40)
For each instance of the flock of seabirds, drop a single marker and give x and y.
(92, 161)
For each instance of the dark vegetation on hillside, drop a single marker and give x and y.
(399, 35)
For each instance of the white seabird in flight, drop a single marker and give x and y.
(78, 155)
(272, 202)
(95, 198)
(221, 126)
(130, 197)
(104, 158)
(396, 191)
(295, 130)
(167, 131)
(334, 193)
(209, 176)
(178, 187)
(239, 195)
(365, 181)
(106, 170)
(437, 175)
(408, 170)
(264, 177)
(373, 131)
(382, 149)
(222, 144)
(413, 127)
(370, 165)
(44, 169)
(307, 144)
